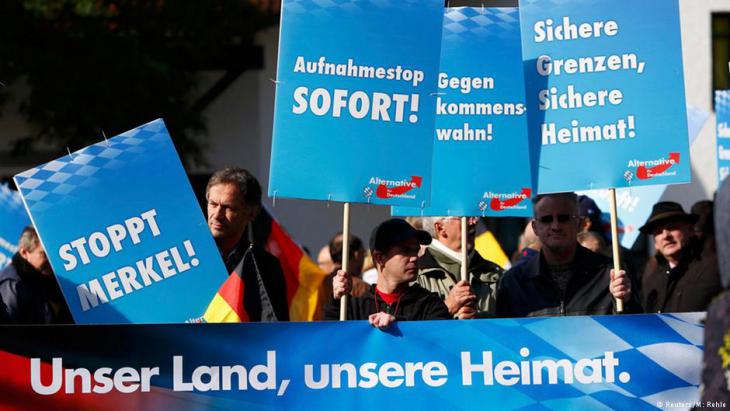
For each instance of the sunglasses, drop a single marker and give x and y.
(562, 218)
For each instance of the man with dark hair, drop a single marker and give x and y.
(685, 278)
(564, 278)
(234, 200)
(28, 288)
(394, 246)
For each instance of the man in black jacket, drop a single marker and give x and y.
(28, 288)
(394, 246)
(234, 199)
(564, 278)
(686, 277)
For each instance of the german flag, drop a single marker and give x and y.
(303, 277)
(227, 305)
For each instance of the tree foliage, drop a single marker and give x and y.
(93, 65)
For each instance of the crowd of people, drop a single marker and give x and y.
(413, 268)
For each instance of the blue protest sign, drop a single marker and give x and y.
(123, 230)
(722, 109)
(605, 93)
(635, 362)
(634, 204)
(355, 107)
(13, 219)
(481, 164)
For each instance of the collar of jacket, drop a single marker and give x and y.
(409, 294)
(25, 271)
(537, 266)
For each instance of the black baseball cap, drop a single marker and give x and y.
(394, 231)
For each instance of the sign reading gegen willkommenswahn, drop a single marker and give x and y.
(13, 219)
(481, 164)
(605, 93)
(722, 109)
(636, 362)
(124, 231)
(355, 107)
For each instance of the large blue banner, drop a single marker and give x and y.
(639, 362)
(605, 93)
(123, 230)
(13, 219)
(481, 164)
(355, 100)
(722, 109)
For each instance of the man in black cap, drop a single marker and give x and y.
(394, 245)
(685, 279)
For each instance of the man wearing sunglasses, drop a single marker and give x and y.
(564, 278)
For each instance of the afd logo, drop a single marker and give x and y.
(655, 168)
(505, 201)
(394, 188)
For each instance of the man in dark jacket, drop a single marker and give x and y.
(28, 288)
(564, 278)
(234, 199)
(685, 278)
(394, 246)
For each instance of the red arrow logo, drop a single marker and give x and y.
(384, 192)
(644, 173)
(499, 205)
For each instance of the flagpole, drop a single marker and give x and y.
(614, 243)
(345, 255)
(463, 249)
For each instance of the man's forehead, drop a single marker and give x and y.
(555, 204)
(672, 224)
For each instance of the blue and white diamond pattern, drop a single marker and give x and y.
(462, 23)
(10, 199)
(722, 102)
(50, 183)
(330, 8)
(665, 365)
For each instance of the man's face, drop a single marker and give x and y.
(399, 263)
(670, 237)
(448, 232)
(556, 223)
(38, 259)
(227, 213)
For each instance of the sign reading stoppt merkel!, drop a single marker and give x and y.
(481, 164)
(13, 219)
(605, 93)
(123, 230)
(355, 100)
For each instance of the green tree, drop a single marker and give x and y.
(94, 65)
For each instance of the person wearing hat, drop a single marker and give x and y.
(394, 245)
(685, 279)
